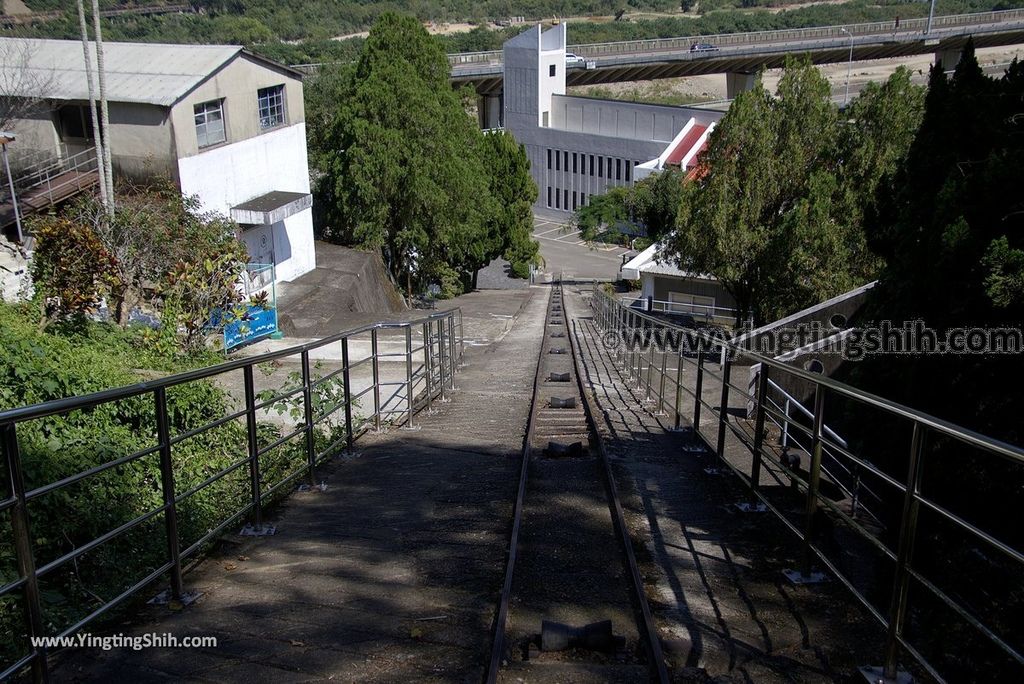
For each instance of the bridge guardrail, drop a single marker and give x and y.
(922, 525)
(729, 39)
(431, 347)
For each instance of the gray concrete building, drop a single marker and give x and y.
(580, 146)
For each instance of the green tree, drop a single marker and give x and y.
(651, 205)
(404, 169)
(513, 192)
(779, 216)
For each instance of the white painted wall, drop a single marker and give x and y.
(551, 53)
(228, 175)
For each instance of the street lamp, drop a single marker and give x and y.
(8, 137)
(849, 67)
(931, 13)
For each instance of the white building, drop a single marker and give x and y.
(666, 287)
(224, 124)
(581, 146)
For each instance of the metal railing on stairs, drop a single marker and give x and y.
(907, 593)
(50, 180)
(424, 352)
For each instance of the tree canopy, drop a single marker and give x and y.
(405, 170)
(778, 215)
(950, 227)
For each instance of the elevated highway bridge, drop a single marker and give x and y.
(741, 55)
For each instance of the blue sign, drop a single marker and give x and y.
(255, 324)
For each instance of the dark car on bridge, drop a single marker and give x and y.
(703, 47)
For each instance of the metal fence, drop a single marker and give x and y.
(424, 354)
(877, 550)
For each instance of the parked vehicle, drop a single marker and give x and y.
(703, 47)
(574, 60)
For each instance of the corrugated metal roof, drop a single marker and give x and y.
(149, 73)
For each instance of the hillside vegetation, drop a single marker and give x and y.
(302, 31)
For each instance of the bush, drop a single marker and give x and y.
(80, 357)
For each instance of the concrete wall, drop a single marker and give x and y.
(624, 119)
(142, 145)
(227, 175)
(236, 84)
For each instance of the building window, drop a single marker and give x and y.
(75, 122)
(600, 167)
(591, 165)
(575, 168)
(549, 159)
(629, 171)
(545, 119)
(557, 198)
(271, 106)
(551, 70)
(565, 160)
(549, 195)
(565, 199)
(558, 161)
(574, 200)
(618, 169)
(210, 123)
(583, 199)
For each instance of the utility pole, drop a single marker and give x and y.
(104, 114)
(849, 66)
(101, 168)
(931, 14)
(5, 138)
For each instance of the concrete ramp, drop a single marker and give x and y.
(345, 283)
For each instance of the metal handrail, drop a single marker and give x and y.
(612, 315)
(441, 353)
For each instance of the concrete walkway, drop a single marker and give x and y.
(391, 574)
(723, 608)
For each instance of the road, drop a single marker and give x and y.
(565, 253)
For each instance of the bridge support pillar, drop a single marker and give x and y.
(489, 107)
(737, 82)
(947, 58)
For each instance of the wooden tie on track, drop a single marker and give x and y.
(571, 567)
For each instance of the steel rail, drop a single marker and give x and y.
(646, 627)
(501, 618)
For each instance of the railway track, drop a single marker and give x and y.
(572, 606)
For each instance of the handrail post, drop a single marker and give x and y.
(661, 382)
(163, 433)
(441, 358)
(307, 417)
(408, 376)
(762, 399)
(428, 366)
(679, 387)
(813, 479)
(253, 443)
(346, 375)
(376, 380)
(451, 351)
(723, 408)
(698, 390)
(462, 340)
(908, 530)
(650, 364)
(23, 550)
